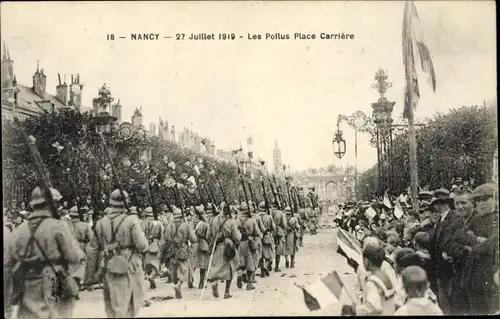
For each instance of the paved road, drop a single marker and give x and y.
(274, 296)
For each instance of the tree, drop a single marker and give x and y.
(460, 143)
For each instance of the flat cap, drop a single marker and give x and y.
(484, 190)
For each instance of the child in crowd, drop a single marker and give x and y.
(378, 290)
(421, 243)
(406, 257)
(415, 285)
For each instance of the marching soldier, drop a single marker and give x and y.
(83, 234)
(279, 236)
(224, 234)
(37, 262)
(176, 238)
(268, 249)
(248, 246)
(303, 212)
(258, 254)
(152, 231)
(200, 250)
(292, 229)
(120, 238)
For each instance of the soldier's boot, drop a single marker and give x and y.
(251, 278)
(244, 278)
(227, 293)
(177, 290)
(152, 283)
(169, 278)
(287, 263)
(277, 264)
(239, 282)
(269, 266)
(90, 288)
(215, 288)
(292, 264)
(190, 285)
(263, 271)
(301, 241)
(202, 279)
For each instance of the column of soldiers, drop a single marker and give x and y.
(49, 259)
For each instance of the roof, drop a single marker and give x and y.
(30, 102)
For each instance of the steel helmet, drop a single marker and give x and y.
(116, 199)
(37, 196)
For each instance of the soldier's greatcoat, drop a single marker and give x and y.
(123, 294)
(268, 250)
(249, 232)
(293, 228)
(152, 231)
(223, 230)
(279, 236)
(83, 234)
(178, 235)
(59, 245)
(200, 258)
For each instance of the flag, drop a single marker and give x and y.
(348, 246)
(387, 201)
(398, 210)
(323, 293)
(414, 48)
(370, 213)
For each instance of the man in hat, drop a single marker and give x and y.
(248, 248)
(443, 231)
(152, 231)
(223, 232)
(176, 238)
(279, 236)
(120, 239)
(425, 197)
(200, 251)
(28, 273)
(291, 232)
(482, 259)
(268, 249)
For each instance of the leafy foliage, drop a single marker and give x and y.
(460, 143)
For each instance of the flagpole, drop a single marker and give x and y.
(409, 103)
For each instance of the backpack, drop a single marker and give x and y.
(116, 263)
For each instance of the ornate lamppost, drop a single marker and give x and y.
(103, 122)
(361, 123)
(339, 146)
(382, 112)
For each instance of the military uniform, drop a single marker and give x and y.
(176, 238)
(223, 231)
(35, 250)
(248, 248)
(200, 252)
(292, 229)
(83, 234)
(268, 245)
(279, 236)
(121, 240)
(152, 231)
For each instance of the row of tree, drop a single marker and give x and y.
(76, 162)
(460, 143)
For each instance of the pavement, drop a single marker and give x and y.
(276, 295)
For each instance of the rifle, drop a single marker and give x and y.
(252, 194)
(113, 171)
(243, 184)
(268, 209)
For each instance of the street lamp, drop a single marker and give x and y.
(339, 141)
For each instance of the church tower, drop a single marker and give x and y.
(277, 161)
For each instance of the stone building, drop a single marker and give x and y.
(30, 101)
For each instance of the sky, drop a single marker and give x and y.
(290, 91)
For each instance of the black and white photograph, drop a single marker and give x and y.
(249, 158)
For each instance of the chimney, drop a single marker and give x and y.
(75, 92)
(39, 82)
(62, 91)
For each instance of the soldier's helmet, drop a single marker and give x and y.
(73, 212)
(148, 212)
(38, 198)
(262, 206)
(116, 199)
(177, 213)
(243, 208)
(288, 210)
